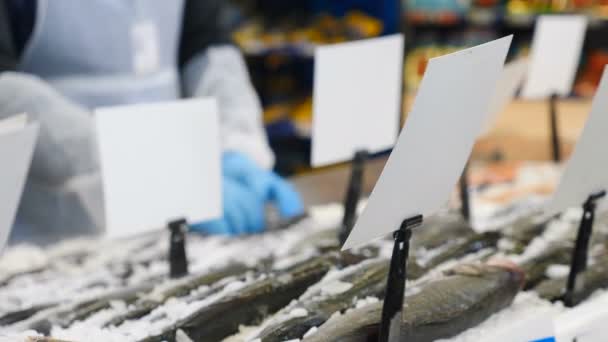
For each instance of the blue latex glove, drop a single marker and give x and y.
(243, 212)
(246, 189)
(267, 185)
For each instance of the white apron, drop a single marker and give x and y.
(96, 53)
(107, 52)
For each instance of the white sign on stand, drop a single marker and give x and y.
(555, 53)
(17, 142)
(13, 123)
(593, 331)
(587, 169)
(584, 323)
(357, 98)
(537, 328)
(511, 79)
(159, 162)
(448, 113)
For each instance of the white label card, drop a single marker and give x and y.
(587, 170)
(13, 123)
(356, 101)
(16, 151)
(537, 328)
(511, 79)
(595, 333)
(556, 50)
(449, 110)
(589, 326)
(159, 162)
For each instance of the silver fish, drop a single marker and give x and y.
(462, 299)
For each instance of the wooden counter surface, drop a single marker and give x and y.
(520, 133)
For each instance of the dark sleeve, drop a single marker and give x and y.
(8, 59)
(202, 26)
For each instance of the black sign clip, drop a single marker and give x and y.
(465, 201)
(178, 262)
(353, 194)
(580, 253)
(392, 310)
(555, 143)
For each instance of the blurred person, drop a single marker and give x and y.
(59, 59)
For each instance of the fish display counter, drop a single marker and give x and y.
(479, 282)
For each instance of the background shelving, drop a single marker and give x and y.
(278, 39)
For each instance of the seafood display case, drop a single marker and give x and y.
(464, 283)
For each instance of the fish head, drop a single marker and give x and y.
(514, 270)
(489, 269)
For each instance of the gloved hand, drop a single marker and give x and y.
(247, 188)
(243, 212)
(267, 185)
